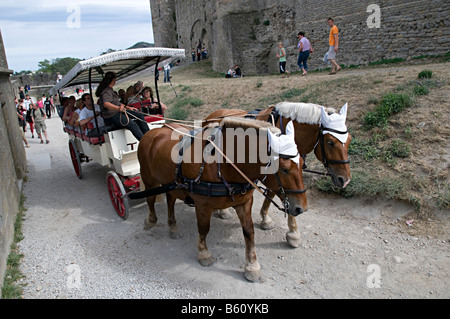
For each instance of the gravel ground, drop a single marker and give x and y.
(75, 246)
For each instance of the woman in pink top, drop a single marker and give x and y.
(39, 103)
(304, 49)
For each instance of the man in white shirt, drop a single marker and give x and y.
(167, 73)
(87, 116)
(27, 102)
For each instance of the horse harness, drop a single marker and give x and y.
(213, 189)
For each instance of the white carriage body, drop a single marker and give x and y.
(118, 150)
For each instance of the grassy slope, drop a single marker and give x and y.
(420, 178)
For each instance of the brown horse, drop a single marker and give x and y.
(162, 161)
(316, 128)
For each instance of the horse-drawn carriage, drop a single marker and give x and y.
(117, 147)
(287, 132)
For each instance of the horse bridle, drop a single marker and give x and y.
(282, 192)
(326, 162)
(276, 116)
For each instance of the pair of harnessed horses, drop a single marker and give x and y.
(165, 156)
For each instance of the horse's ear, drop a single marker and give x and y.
(324, 115)
(343, 110)
(290, 129)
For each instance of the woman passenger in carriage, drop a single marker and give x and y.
(147, 95)
(116, 113)
(68, 110)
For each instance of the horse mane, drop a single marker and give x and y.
(245, 123)
(307, 113)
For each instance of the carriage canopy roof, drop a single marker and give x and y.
(123, 63)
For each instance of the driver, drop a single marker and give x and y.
(116, 113)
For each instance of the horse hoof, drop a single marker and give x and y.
(254, 276)
(267, 224)
(223, 214)
(207, 261)
(148, 224)
(175, 234)
(293, 239)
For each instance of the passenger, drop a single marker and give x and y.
(147, 96)
(116, 113)
(134, 92)
(63, 106)
(87, 116)
(69, 109)
(73, 121)
(122, 95)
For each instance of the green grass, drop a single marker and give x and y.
(390, 104)
(11, 288)
(387, 61)
(425, 74)
(365, 184)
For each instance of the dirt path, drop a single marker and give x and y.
(75, 245)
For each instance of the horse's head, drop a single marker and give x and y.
(332, 147)
(287, 181)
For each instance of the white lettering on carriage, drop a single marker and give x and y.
(74, 19)
(198, 309)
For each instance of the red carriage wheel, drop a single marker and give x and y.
(75, 156)
(117, 194)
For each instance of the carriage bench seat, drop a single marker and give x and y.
(94, 139)
(153, 118)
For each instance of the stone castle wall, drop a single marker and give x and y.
(246, 32)
(14, 162)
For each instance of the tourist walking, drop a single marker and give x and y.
(21, 116)
(48, 108)
(304, 49)
(281, 55)
(21, 111)
(28, 103)
(167, 73)
(334, 44)
(39, 122)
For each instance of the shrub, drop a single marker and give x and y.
(292, 93)
(397, 148)
(421, 90)
(178, 113)
(363, 148)
(194, 101)
(394, 103)
(390, 104)
(426, 74)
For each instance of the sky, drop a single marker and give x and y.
(35, 30)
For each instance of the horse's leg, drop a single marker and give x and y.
(174, 230)
(267, 223)
(252, 267)
(151, 219)
(203, 223)
(223, 213)
(293, 235)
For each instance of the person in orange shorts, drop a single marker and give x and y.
(334, 44)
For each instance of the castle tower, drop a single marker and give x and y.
(164, 23)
